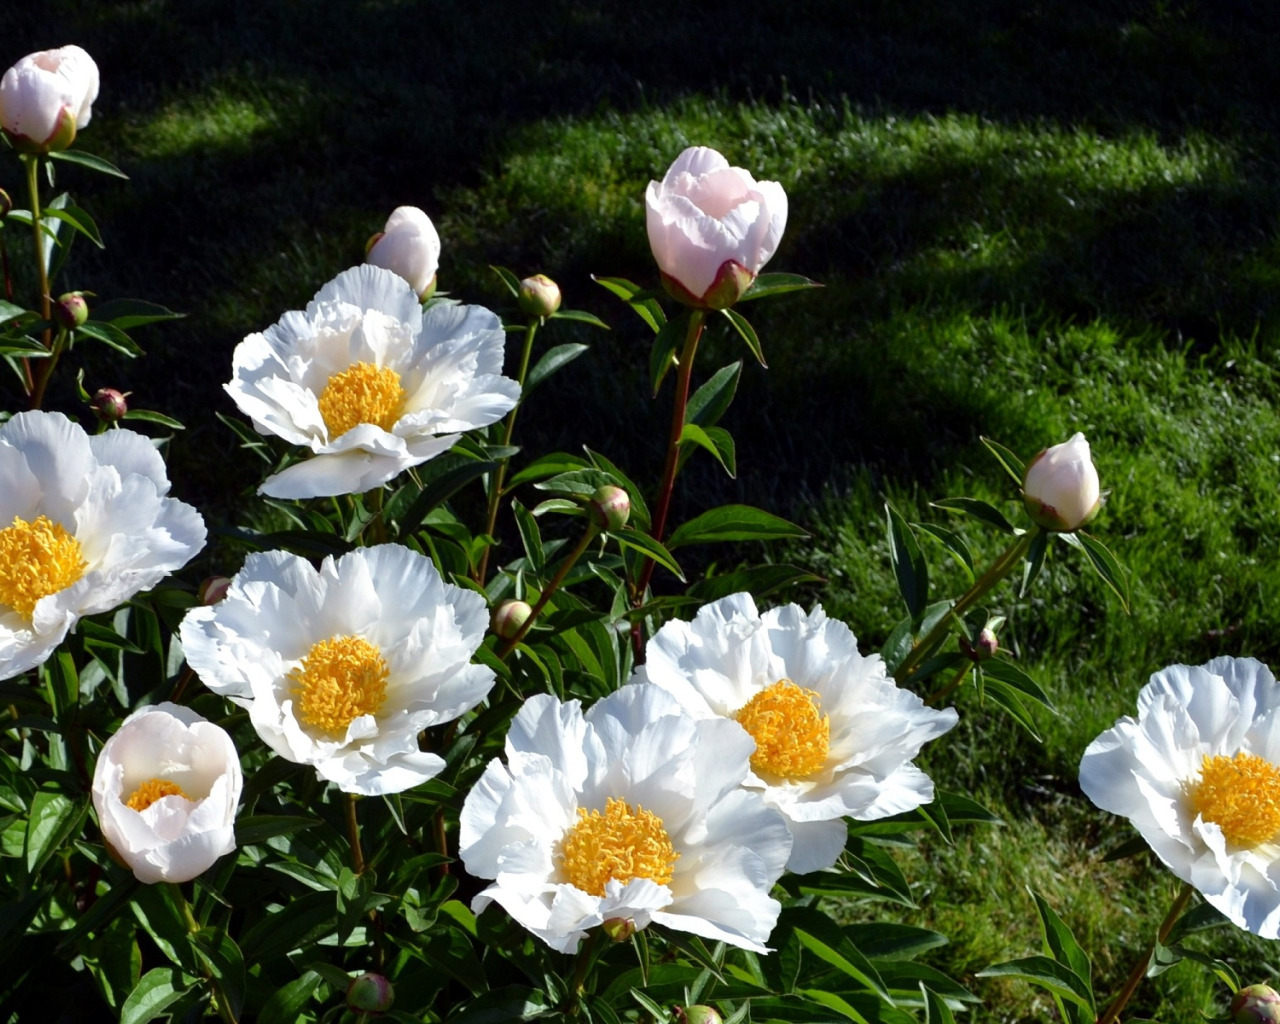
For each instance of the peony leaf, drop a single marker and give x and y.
(777, 284)
(979, 510)
(909, 566)
(155, 992)
(1011, 463)
(734, 523)
(1048, 974)
(129, 313)
(748, 333)
(509, 279)
(580, 315)
(53, 821)
(643, 302)
(716, 440)
(552, 360)
(94, 163)
(1104, 563)
(1061, 944)
(712, 399)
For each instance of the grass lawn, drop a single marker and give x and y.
(1030, 219)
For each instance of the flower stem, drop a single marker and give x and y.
(587, 537)
(952, 685)
(1139, 970)
(499, 474)
(46, 308)
(353, 833)
(1001, 568)
(220, 999)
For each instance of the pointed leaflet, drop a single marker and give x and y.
(1011, 463)
(909, 566)
(777, 284)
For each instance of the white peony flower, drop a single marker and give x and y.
(410, 246)
(46, 97)
(1060, 488)
(84, 525)
(1198, 775)
(834, 735)
(341, 668)
(165, 788)
(631, 812)
(712, 227)
(370, 382)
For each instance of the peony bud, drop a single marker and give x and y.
(1060, 488)
(1256, 1004)
(370, 993)
(47, 97)
(610, 507)
(539, 296)
(982, 649)
(213, 590)
(698, 1014)
(70, 311)
(712, 228)
(109, 405)
(509, 618)
(410, 246)
(619, 929)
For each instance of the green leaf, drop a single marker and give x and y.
(1035, 561)
(835, 949)
(580, 482)
(1057, 978)
(1013, 675)
(777, 284)
(935, 1008)
(110, 335)
(733, 523)
(710, 401)
(1061, 944)
(979, 510)
(552, 360)
(53, 821)
(221, 957)
(94, 163)
(580, 315)
(1011, 463)
(287, 1002)
(747, 332)
(509, 279)
(1105, 565)
(909, 566)
(646, 307)
(150, 416)
(758, 581)
(955, 545)
(258, 828)
(650, 548)
(1011, 701)
(441, 490)
(299, 924)
(715, 440)
(662, 354)
(157, 990)
(130, 313)
(531, 536)
(546, 466)
(79, 221)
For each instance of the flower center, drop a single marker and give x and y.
(36, 559)
(792, 735)
(621, 844)
(1241, 795)
(340, 679)
(151, 791)
(362, 393)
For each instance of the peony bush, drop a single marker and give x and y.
(460, 737)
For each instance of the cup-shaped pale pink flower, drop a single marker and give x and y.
(85, 523)
(1060, 488)
(712, 227)
(165, 788)
(409, 246)
(47, 97)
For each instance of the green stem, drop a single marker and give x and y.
(374, 504)
(220, 999)
(1139, 970)
(952, 685)
(1001, 568)
(499, 474)
(46, 308)
(587, 537)
(586, 957)
(353, 833)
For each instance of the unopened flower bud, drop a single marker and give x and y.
(109, 405)
(698, 1014)
(539, 296)
(409, 246)
(509, 618)
(370, 993)
(1060, 488)
(213, 590)
(619, 928)
(1256, 1004)
(610, 507)
(70, 311)
(985, 647)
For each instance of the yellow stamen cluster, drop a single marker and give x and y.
(792, 735)
(621, 844)
(340, 679)
(1241, 795)
(151, 791)
(362, 393)
(37, 558)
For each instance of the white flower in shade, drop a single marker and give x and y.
(370, 382)
(342, 667)
(165, 788)
(84, 525)
(1198, 775)
(1060, 489)
(712, 227)
(834, 735)
(46, 97)
(632, 812)
(410, 246)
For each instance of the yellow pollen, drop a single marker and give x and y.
(362, 393)
(792, 736)
(340, 680)
(1241, 795)
(151, 791)
(37, 559)
(621, 844)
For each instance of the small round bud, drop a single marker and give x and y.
(698, 1014)
(509, 618)
(619, 928)
(109, 405)
(610, 507)
(982, 649)
(70, 311)
(539, 296)
(370, 993)
(213, 590)
(6, 204)
(1256, 1004)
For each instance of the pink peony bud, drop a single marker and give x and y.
(109, 405)
(698, 1014)
(1060, 488)
(712, 227)
(70, 311)
(619, 929)
(539, 296)
(1256, 1004)
(410, 246)
(610, 507)
(213, 590)
(47, 97)
(509, 618)
(370, 993)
